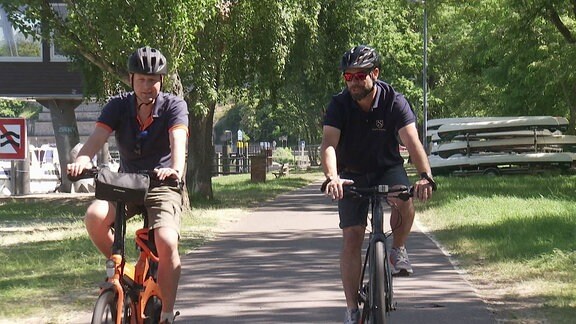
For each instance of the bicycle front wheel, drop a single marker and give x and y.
(377, 284)
(153, 310)
(105, 308)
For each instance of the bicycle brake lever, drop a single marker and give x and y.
(324, 184)
(405, 196)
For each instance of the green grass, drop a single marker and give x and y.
(50, 263)
(515, 236)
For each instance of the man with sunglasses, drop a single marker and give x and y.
(363, 127)
(151, 130)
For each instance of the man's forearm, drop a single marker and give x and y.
(329, 164)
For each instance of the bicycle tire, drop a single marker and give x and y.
(389, 288)
(129, 310)
(365, 317)
(153, 310)
(105, 308)
(378, 284)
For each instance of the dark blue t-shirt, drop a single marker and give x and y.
(369, 140)
(149, 148)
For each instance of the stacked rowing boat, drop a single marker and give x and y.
(493, 145)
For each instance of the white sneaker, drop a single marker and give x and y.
(400, 263)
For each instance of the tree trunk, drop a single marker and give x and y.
(200, 154)
(65, 131)
(572, 114)
(569, 94)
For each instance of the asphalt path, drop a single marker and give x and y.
(279, 264)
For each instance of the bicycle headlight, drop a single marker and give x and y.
(110, 268)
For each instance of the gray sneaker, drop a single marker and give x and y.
(400, 263)
(352, 316)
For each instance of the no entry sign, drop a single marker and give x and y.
(13, 139)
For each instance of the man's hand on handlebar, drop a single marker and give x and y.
(423, 188)
(76, 168)
(166, 173)
(333, 187)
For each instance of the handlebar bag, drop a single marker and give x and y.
(124, 187)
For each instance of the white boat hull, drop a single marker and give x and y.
(514, 144)
(484, 161)
(448, 131)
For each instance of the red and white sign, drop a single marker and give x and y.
(13, 139)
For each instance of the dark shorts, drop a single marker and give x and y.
(164, 207)
(354, 211)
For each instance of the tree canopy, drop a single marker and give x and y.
(277, 61)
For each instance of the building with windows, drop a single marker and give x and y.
(33, 69)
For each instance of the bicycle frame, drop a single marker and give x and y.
(377, 234)
(130, 292)
(128, 280)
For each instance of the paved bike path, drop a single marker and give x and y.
(279, 264)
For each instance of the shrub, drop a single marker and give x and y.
(282, 155)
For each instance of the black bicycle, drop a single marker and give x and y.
(375, 291)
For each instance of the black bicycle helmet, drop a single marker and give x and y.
(147, 60)
(361, 57)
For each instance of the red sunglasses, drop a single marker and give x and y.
(360, 76)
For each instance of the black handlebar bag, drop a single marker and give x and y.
(124, 187)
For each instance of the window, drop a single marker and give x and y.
(14, 46)
(56, 55)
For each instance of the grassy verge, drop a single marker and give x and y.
(515, 237)
(49, 262)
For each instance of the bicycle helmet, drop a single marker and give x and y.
(362, 57)
(147, 60)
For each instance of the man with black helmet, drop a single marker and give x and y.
(363, 127)
(151, 130)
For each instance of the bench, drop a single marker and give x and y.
(284, 170)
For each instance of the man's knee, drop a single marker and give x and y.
(97, 214)
(405, 208)
(353, 236)
(166, 240)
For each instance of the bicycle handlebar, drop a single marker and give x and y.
(85, 174)
(404, 193)
(154, 180)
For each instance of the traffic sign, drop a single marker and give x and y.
(13, 139)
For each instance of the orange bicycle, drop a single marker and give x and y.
(130, 293)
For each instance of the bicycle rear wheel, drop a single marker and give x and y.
(105, 308)
(378, 278)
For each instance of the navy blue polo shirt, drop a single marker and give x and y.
(148, 148)
(369, 140)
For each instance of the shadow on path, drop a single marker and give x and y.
(280, 264)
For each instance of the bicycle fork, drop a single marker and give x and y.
(114, 272)
(363, 289)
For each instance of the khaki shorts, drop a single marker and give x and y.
(164, 207)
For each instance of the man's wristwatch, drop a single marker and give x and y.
(428, 178)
